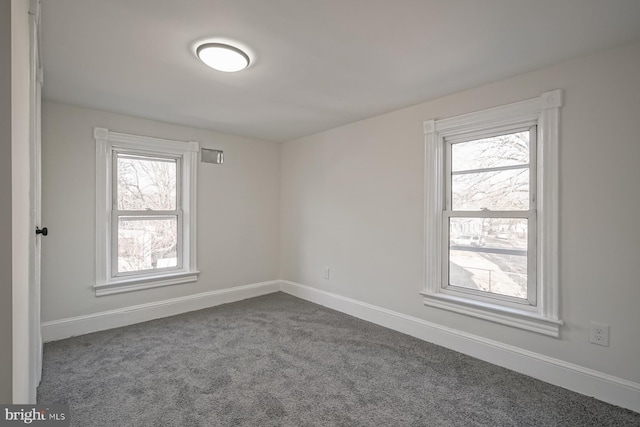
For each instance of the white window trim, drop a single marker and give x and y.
(544, 112)
(106, 143)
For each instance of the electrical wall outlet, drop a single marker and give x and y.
(599, 334)
(326, 273)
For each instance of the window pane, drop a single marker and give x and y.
(489, 254)
(146, 183)
(497, 151)
(497, 190)
(147, 244)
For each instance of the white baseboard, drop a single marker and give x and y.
(69, 327)
(607, 388)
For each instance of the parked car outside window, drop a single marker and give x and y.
(467, 240)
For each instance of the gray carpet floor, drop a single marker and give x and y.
(280, 361)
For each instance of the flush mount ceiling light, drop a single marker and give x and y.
(223, 57)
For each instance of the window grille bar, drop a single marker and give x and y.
(493, 169)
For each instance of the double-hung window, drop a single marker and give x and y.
(491, 214)
(145, 208)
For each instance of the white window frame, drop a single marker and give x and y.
(541, 313)
(108, 145)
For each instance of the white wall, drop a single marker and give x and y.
(238, 211)
(5, 204)
(352, 200)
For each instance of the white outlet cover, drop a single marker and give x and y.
(599, 334)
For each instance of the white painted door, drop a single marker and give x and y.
(35, 362)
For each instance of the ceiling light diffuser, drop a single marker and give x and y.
(223, 57)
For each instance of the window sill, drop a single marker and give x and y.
(135, 284)
(513, 317)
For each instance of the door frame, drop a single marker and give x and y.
(24, 122)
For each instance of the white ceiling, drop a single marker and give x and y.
(317, 64)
